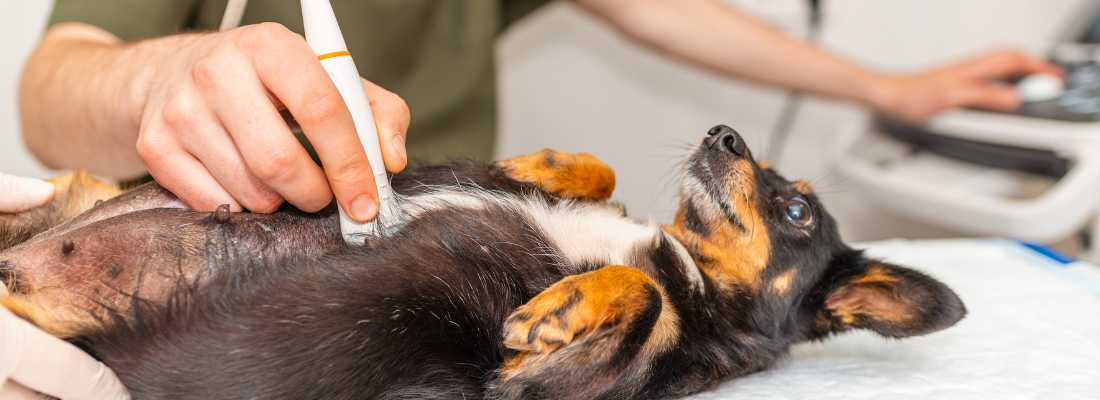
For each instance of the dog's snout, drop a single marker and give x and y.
(724, 138)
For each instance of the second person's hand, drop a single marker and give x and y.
(211, 130)
(978, 82)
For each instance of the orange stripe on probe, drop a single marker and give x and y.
(334, 54)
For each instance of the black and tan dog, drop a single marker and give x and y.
(515, 280)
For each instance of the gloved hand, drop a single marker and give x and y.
(30, 359)
(21, 194)
(33, 359)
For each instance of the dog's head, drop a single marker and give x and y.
(769, 243)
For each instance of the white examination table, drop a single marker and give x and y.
(1032, 332)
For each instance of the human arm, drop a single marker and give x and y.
(200, 112)
(717, 36)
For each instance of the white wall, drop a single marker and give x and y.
(570, 83)
(21, 21)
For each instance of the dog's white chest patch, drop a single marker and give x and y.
(583, 232)
(590, 233)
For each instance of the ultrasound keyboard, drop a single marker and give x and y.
(1080, 100)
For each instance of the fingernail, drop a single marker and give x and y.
(399, 146)
(363, 208)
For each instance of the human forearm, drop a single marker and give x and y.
(714, 35)
(201, 113)
(80, 101)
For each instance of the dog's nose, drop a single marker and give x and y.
(724, 138)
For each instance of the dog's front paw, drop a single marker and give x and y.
(580, 305)
(571, 175)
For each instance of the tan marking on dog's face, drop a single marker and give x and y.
(763, 164)
(572, 175)
(728, 253)
(803, 187)
(780, 284)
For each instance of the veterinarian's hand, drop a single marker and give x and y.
(21, 194)
(211, 131)
(978, 82)
(31, 359)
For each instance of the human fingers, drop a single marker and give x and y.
(392, 116)
(21, 194)
(52, 366)
(202, 135)
(231, 88)
(11, 390)
(1005, 64)
(179, 172)
(313, 100)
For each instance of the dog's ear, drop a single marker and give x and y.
(891, 300)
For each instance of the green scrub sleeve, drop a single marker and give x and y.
(128, 19)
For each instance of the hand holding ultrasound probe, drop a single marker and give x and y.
(35, 361)
(323, 34)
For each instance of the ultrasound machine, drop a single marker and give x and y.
(1032, 174)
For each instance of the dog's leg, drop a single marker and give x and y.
(73, 194)
(588, 336)
(569, 175)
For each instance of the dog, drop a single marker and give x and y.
(512, 280)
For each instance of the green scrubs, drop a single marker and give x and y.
(436, 54)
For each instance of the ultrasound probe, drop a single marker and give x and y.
(324, 36)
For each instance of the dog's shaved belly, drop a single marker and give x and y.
(438, 290)
(144, 245)
(131, 246)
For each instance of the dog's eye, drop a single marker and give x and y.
(798, 212)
